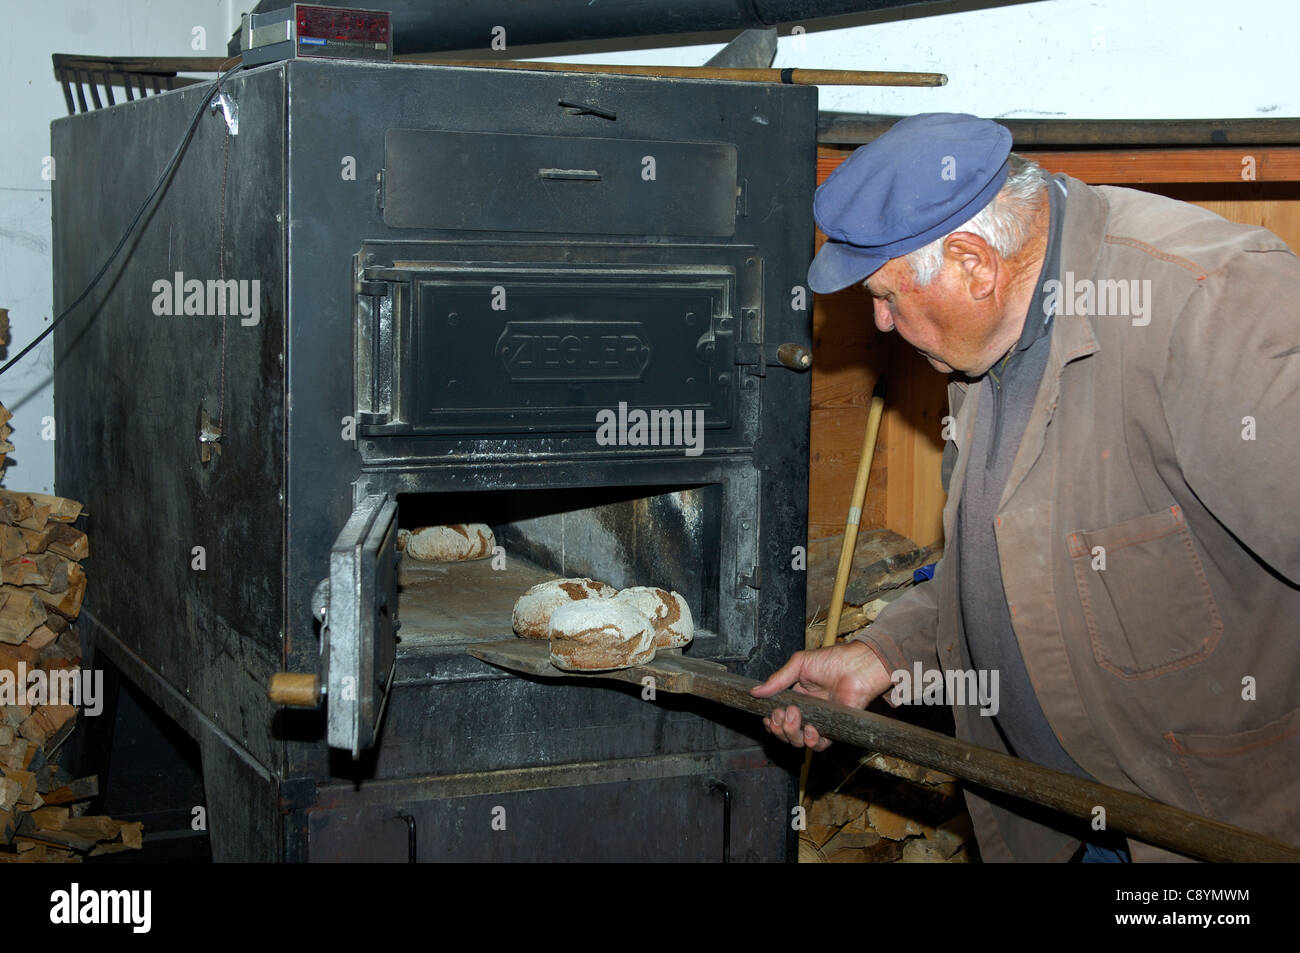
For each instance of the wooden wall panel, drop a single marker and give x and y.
(904, 492)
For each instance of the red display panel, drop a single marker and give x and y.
(332, 23)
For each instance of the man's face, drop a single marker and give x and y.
(951, 328)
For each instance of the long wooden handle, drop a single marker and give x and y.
(851, 524)
(797, 77)
(1144, 819)
(853, 520)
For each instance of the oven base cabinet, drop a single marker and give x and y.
(401, 296)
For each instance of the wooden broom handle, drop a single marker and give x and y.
(796, 77)
(851, 524)
(853, 521)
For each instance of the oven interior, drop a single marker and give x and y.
(626, 536)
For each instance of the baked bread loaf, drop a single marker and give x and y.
(532, 615)
(668, 613)
(448, 544)
(600, 634)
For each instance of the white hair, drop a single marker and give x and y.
(1004, 223)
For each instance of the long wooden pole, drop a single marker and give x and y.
(796, 77)
(1147, 820)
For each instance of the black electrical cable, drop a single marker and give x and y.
(130, 229)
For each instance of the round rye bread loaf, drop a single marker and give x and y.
(449, 544)
(668, 613)
(532, 615)
(600, 634)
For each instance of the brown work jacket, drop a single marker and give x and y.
(1166, 449)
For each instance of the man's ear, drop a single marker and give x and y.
(977, 260)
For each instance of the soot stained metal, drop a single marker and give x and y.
(375, 382)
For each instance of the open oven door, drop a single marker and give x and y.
(357, 608)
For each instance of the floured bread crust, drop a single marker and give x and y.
(600, 634)
(532, 615)
(668, 613)
(448, 544)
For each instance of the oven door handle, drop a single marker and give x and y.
(570, 175)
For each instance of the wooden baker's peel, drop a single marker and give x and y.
(1142, 818)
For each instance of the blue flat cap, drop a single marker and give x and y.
(925, 177)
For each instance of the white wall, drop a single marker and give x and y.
(1056, 58)
(1076, 59)
(29, 100)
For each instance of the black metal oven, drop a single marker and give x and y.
(555, 303)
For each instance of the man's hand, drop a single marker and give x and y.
(851, 674)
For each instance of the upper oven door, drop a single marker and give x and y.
(544, 339)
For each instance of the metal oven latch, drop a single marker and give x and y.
(757, 358)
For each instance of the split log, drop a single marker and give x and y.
(77, 790)
(15, 507)
(68, 541)
(10, 791)
(132, 834)
(17, 754)
(41, 636)
(27, 781)
(66, 603)
(13, 543)
(36, 540)
(49, 725)
(50, 776)
(11, 655)
(96, 828)
(38, 517)
(60, 509)
(45, 571)
(63, 652)
(51, 818)
(27, 828)
(23, 611)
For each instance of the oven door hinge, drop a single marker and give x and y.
(380, 198)
(374, 352)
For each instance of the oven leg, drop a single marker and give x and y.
(241, 802)
(411, 842)
(717, 785)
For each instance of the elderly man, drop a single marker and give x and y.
(1123, 515)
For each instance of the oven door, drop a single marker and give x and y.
(537, 340)
(356, 605)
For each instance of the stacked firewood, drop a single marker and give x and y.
(916, 817)
(41, 588)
